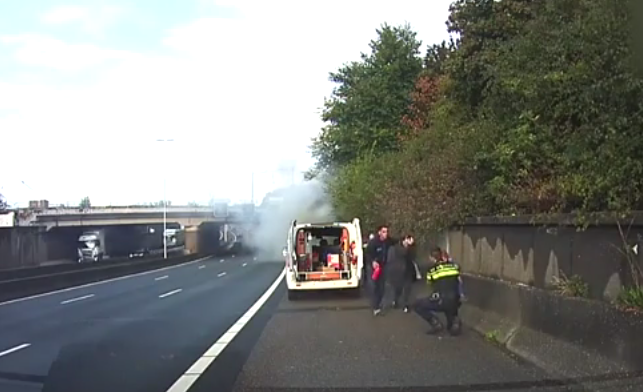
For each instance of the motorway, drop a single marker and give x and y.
(224, 324)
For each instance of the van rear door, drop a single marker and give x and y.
(290, 248)
(358, 248)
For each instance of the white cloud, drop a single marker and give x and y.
(42, 50)
(91, 19)
(65, 14)
(237, 95)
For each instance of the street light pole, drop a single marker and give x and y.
(164, 204)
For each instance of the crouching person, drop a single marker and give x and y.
(444, 278)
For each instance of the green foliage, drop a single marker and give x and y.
(365, 110)
(631, 298)
(85, 202)
(571, 287)
(535, 108)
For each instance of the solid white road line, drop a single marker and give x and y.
(201, 266)
(14, 349)
(162, 277)
(68, 301)
(13, 301)
(170, 293)
(195, 371)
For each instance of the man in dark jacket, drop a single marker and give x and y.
(401, 271)
(376, 257)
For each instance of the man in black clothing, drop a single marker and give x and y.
(401, 271)
(444, 278)
(376, 257)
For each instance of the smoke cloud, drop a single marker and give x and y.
(306, 202)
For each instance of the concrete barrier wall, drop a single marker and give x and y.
(536, 255)
(583, 340)
(509, 268)
(22, 247)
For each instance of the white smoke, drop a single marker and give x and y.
(305, 202)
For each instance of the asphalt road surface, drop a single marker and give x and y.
(225, 325)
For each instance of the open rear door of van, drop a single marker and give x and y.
(289, 253)
(358, 249)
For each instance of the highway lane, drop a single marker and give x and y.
(144, 334)
(134, 334)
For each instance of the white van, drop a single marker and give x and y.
(324, 256)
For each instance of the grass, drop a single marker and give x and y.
(571, 287)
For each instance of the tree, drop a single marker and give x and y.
(365, 110)
(85, 203)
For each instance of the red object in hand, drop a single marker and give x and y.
(376, 272)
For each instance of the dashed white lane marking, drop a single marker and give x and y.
(221, 261)
(14, 349)
(13, 301)
(221, 274)
(195, 371)
(68, 301)
(162, 277)
(244, 264)
(254, 259)
(201, 266)
(170, 293)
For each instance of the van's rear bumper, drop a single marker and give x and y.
(322, 285)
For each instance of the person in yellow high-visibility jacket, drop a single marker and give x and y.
(444, 279)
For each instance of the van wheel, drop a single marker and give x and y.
(293, 295)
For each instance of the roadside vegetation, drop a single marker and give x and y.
(533, 107)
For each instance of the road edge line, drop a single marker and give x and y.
(196, 370)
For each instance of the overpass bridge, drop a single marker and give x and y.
(106, 216)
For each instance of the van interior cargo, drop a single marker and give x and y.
(322, 253)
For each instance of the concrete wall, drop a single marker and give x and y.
(22, 247)
(535, 255)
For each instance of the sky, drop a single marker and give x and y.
(88, 88)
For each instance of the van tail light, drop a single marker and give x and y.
(353, 256)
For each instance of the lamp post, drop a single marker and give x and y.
(164, 204)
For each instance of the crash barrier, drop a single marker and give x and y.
(27, 272)
(574, 338)
(32, 285)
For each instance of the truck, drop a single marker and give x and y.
(324, 256)
(135, 241)
(105, 243)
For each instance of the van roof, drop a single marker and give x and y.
(324, 224)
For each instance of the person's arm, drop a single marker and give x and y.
(370, 253)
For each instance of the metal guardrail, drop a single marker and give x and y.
(56, 280)
(29, 272)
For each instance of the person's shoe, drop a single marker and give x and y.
(436, 326)
(394, 304)
(456, 328)
(406, 309)
(377, 312)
